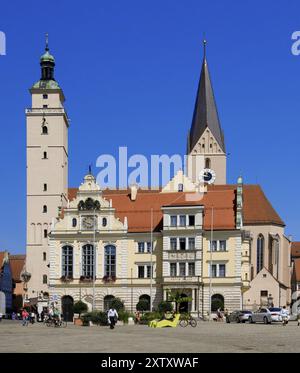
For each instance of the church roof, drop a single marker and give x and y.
(17, 263)
(295, 249)
(257, 208)
(205, 111)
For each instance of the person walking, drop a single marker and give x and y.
(284, 316)
(25, 316)
(298, 318)
(112, 317)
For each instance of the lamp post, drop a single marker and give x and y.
(210, 265)
(94, 259)
(151, 260)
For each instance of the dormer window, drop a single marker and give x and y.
(104, 222)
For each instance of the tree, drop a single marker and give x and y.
(177, 298)
(118, 304)
(80, 307)
(143, 305)
(165, 306)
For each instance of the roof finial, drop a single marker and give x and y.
(90, 169)
(204, 46)
(47, 42)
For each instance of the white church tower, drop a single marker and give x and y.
(47, 170)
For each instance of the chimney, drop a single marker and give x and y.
(133, 191)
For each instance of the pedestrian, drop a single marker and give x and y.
(32, 317)
(112, 317)
(298, 318)
(1, 316)
(284, 316)
(25, 316)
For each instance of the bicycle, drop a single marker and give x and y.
(188, 320)
(55, 323)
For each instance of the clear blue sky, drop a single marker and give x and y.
(130, 69)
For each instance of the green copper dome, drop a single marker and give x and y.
(47, 57)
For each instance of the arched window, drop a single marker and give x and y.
(44, 208)
(104, 222)
(74, 222)
(110, 261)
(107, 301)
(260, 253)
(145, 298)
(45, 279)
(207, 163)
(67, 261)
(88, 261)
(45, 130)
(45, 155)
(217, 301)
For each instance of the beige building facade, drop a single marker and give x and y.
(198, 235)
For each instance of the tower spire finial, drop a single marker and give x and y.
(47, 41)
(204, 46)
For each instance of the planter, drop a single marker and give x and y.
(78, 321)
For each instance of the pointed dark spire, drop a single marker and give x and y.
(205, 111)
(47, 42)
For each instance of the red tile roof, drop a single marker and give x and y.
(17, 263)
(257, 208)
(295, 249)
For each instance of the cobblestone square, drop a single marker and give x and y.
(206, 337)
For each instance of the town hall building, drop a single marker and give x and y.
(211, 241)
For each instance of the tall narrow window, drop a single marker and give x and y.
(207, 161)
(213, 245)
(173, 243)
(213, 270)
(104, 222)
(141, 247)
(44, 256)
(182, 220)
(45, 187)
(191, 220)
(191, 243)
(173, 269)
(182, 243)
(191, 269)
(74, 222)
(88, 261)
(180, 187)
(45, 233)
(67, 261)
(110, 261)
(45, 155)
(141, 271)
(222, 270)
(45, 279)
(223, 245)
(45, 130)
(260, 253)
(173, 221)
(44, 209)
(182, 269)
(148, 247)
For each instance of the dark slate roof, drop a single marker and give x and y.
(205, 111)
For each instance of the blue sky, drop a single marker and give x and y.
(130, 69)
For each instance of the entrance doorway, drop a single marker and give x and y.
(67, 303)
(183, 306)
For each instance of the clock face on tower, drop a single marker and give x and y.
(207, 176)
(88, 222)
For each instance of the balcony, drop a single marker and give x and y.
(181, 279)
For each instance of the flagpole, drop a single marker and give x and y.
(151, 259)
(210, 268)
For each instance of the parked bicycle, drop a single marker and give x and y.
(51, 321)
(188, 320)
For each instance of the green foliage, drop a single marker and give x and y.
(149, 316)
(177, 298)
(216, 304)
(124, 315)
(80, 307)
(165, 306)
(96, 317)
(143, 305)
(118, 304)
